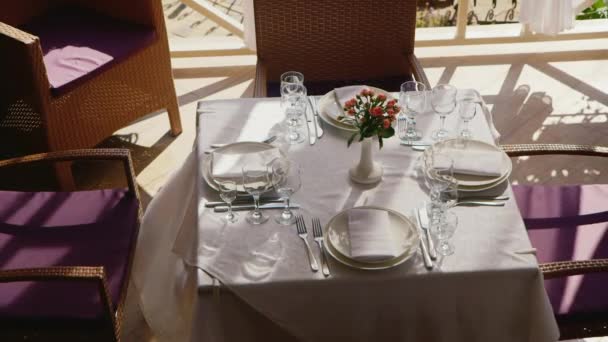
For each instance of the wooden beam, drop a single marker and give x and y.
(217, 16)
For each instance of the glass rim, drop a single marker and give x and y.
(418, 84)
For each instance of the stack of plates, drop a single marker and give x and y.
(329, 109)
(235, 148)
(470, 183)
(338, 242)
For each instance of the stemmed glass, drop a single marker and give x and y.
(413, 98)
(289, 85)
(228, 194)
(256, 181)
(443, 101)
(286, 181)
(444, 231)
(294, 104)
(467, 110)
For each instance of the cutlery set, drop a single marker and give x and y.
(318, 237)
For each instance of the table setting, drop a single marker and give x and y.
(390, 211)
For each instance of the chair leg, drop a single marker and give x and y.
(174, 118)
(63, 174)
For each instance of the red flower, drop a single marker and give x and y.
(386, 123)
(370, 92)
(364, 92)
(390, 112)
(381, 97)
(391, 103)
(350, 103)
(376, 111)
(351, 111)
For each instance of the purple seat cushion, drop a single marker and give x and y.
(392, 83)
(78, 44)
(44, 229)
(569, 223)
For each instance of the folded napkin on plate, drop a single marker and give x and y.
(477, 162)
(370, 235)
(229, 166)
(344, 94)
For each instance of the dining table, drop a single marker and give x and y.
(202, 279)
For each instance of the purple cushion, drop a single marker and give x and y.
(569, 223)
(78, 44)
(392, 83)
(87, 228)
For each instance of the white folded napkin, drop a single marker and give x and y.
(344, 94)
(477, 162)
(370, 235)
(229, 166)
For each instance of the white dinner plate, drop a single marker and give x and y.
(476, 183)
(329, 109)
(404, 233)
(235, 148)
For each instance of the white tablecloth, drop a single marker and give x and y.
(489, 290)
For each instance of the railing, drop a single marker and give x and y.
(465, 22)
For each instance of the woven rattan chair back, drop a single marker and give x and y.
(334, 40)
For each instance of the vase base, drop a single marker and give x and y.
(370, 177)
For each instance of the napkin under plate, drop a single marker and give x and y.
(344, 94)
(476, 162)
(370, 235)
(229, 166)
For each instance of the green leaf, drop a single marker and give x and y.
(350, 140)
(388, 132)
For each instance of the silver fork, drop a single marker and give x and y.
(265, 141)
(301, 226)
(318, 234)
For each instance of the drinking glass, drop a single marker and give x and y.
(467, 110)
(443, 101)
(413, 98)
(443, 231)
(294, 104)
(228, 194)
(286, 180)
(256, 181)
(290, 78)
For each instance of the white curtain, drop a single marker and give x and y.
(548, 17)
(249, 24)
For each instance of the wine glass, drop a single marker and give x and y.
(228, 193)
(256, 181)
(467, 110)
(444, 230)
(413, 98)
(286, 180)
(294, 104)
(443, 101)
(290, 78)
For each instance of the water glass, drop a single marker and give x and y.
(443, 101)
(256, 181)
(228, 193)
(412, 97)
(294, 104)
(467, 110)
(289, 79)
(444, 230)
(287, 180)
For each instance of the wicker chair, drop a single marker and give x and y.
(561, 220)
(336, 43)
(39, 112)
(66, 257)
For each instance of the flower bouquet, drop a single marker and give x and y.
(372, 114)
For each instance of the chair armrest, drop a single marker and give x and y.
(70, 273)
(85, 154)
(569, 268)
(540, 149)
(261, 77)
(418, 71)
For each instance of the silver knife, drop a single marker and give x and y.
(224, 208)
(212, 204)
(423, 218)
(428, 263)
(310, 126)
(317, 119)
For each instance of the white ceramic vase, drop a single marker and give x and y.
(367, 171)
